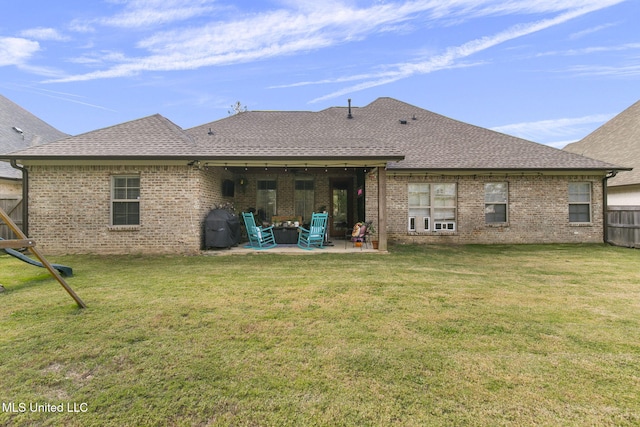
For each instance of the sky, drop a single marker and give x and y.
(550, 71)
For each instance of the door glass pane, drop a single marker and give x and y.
(340, 212)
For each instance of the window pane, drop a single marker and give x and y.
(266, 200)
(495, 192)
(495, 213)
(444, 214)
(419, 195)
(304, 198)
(304, 184)
(266, 185)
(126, 213)
(444, 189)
(126, 187)
(579, 192)
(579, 213)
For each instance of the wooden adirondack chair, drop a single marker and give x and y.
(313, 237)
(259, 237)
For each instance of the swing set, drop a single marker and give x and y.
(24, 242)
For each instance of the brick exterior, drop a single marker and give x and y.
(70, 209)
(538, 210)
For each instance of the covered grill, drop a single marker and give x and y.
(221, 229)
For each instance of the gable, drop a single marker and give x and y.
(617, 141)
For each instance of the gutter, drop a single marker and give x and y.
(25, 196)
(605, 204)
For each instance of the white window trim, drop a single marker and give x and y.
(123, 227)
(506, 206)
(427, 221)
(589, 203)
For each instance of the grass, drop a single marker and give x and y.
(436, 335)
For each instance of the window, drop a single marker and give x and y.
(419, 206)
(495, 202)
(432, 207)
(579, 202)
(303, 198)
(125, 200)
(266, 200)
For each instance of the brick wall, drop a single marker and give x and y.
(70, 209)
(537, 210)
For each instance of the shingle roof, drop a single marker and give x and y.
(407, 136)
(427, 140)
(617, 141)
(150, 137)
(19, 129)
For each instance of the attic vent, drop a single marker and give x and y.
(403, 122)
(210, 132)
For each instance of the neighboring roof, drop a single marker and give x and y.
(19, 129)
(406, 136)
(617, 141)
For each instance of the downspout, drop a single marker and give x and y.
(605, 204)
(25, 196)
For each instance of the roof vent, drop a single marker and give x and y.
(349, 116)
(403, 122)
(17, 129)
(210, 132)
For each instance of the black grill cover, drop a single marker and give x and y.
(221, 229)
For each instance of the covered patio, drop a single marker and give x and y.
(335, 247)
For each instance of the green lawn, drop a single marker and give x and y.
(435, 335)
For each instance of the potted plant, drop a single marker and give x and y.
(371, 231)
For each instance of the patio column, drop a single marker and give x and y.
(382, 208)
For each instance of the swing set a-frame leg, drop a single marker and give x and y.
(36, 252)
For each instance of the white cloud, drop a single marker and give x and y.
(451, 55)
(309, 25)
(560, 131)
(629, 70)
(589, 31)
(42, 33)
(16, 51)
(144, 13)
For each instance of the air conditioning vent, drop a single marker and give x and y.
(444, 226)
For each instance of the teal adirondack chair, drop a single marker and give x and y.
(259, 237)
(313, 237)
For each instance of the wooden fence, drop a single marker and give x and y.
(623, 226)
(13, 208)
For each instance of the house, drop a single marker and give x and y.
(618, 142)
(146, 186)
(19, 130)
